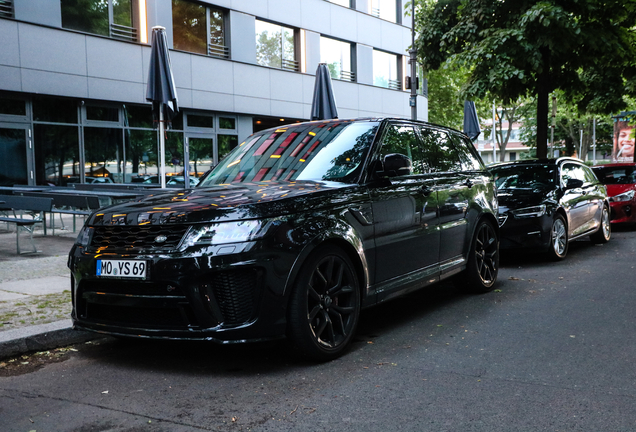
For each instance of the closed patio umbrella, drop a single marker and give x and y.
(161, 92)
(471, 121)
(323, 105)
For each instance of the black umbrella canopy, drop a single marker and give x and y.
(471, 121)
(161, 90)
(323, 105)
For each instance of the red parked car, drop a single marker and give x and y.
(620, 180)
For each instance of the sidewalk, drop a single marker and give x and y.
(35, 296)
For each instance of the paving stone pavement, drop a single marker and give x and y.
(35, 298)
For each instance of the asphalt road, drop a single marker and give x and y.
(552, 349)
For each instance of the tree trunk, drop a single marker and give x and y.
(543, 97)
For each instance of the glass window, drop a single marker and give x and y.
(54, 110)
(93, 16)
(227, 123)
(439, 153)
(337, 55)
(15, 107)
(198, 29)
(275, 46)
(200, 121)
(402, 139)
(616, 175)
(385, 9)
(141, 155)
(227, 143)
(13, 163)
(201, 155)
(530, 177)
(310, 151)
(467, 154)
(138, 116)
(385, 70)
(104, 154)
(100, 113)
(56, 154)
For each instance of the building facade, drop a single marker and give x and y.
(73, 77)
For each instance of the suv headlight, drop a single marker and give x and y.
(529, 212)
(84, 236)
(627, 196)
(222, 233)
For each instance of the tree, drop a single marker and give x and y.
(445, 101)
(507, 116)
(586, 48)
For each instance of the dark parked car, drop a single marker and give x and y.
(547, 203)
(620, 181)
(293, 234)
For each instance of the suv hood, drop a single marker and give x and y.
(223, 203)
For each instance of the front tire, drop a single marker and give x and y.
(325, 305)
(558, 238)
(483, 260)
(604, 232)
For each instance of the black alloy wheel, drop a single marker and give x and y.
(604, 232)
(558, 247)
(325, 305)
(483, 260)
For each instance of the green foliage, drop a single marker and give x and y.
(519, 48)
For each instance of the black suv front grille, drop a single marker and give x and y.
(136, 238)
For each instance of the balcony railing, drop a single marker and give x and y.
(122, 32)
(6, 8)
(347, 76)
(290, 65)
(395, 84)
(220, 51)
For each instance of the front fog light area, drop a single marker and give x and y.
(222, 233)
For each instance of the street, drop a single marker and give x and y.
(551, 349)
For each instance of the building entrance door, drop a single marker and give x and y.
(202, 153)
(16, 155)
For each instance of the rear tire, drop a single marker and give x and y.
(483, 260)
(324, 305)
(604, 232)
(558, 247)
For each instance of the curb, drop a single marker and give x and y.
(41, 337)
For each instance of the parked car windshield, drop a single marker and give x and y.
(332, 151)
(616, 175)
(526, 177)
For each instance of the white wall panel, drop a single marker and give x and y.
(251, 81)
(52, 50)
(99, 88)
(286, 86)
(309, 13)
(113, 60)
(285, 12)
(10, 52)
(212, 101)
(53, 83)
(11, 78)
(211, 74)
(251, 105)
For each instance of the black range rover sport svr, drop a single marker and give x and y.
(292, 234)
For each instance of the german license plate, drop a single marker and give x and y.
(122, 268)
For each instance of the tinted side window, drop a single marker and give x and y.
(402, 139)
(572, 171)
(467, 155)
(440, 155)
(589, 175)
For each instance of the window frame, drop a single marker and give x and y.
(295, 63)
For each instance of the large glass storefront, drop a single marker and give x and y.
(59, 141)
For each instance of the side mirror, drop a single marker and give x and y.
(396, 164)
(574, 183)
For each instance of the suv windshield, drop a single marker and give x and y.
(616, 175)
(332, 151)
(524, 177)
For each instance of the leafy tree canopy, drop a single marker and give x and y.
(517, 48)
